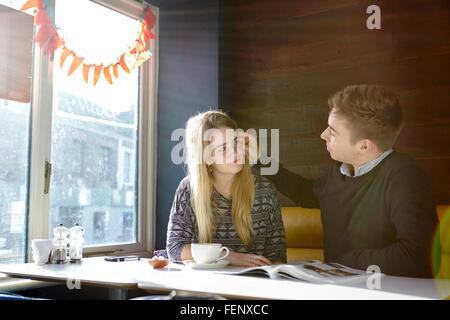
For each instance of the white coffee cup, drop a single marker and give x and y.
(41, 250)
(208, 252)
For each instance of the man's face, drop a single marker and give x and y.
(338, 138)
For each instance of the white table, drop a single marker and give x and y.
(239, 286)
(118, 277)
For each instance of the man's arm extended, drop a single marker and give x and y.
(295, 187)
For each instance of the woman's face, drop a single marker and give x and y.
(226, 151)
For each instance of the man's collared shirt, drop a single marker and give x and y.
(365, 168)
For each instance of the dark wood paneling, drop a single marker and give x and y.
(427, 141)
(303, 150)
(314, 85)
(248, 14)
(339, 33)
(437, 169)
(287, 120)
(285, 58)
(426, 106)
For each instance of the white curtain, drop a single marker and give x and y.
(16, 40)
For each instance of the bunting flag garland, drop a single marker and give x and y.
(49, 40)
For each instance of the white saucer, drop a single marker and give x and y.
(215, 265)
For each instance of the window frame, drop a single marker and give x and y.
(41, 127)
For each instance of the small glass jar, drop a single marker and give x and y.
(76, 243)
(60, 241)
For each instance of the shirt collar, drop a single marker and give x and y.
(365, 168)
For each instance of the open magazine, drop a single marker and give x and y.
(312, 271)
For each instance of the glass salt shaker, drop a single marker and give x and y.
(76, 243)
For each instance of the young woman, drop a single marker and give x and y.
(221, 201)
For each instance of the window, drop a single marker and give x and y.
(98, 121)
(97, 139)
(107, 164)
(70, 215)
(79, 159)
(127, 168)
(99, 228)
(127, 225)
(100, 117)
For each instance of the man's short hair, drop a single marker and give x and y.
(371, 111)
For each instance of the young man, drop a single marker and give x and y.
(375, 203)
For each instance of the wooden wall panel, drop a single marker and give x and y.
(437, 170)
(424, 142)
(426, 105)
(283, 59)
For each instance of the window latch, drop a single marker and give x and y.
(47, 176)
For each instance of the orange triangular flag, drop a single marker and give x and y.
(60, 42)
(116, 70)
(86, 69)
(107, 74)
(75, 64)
(138, 48)
(64, 55)
(98, 70)
(29, 4)
(123, 64)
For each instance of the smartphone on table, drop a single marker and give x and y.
(122, 258)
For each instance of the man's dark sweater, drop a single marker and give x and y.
(384, 217)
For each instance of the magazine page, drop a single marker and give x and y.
(311, 271)
(269, 271)
(322, 272)
(263, 270)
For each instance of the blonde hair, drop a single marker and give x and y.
(201, 180)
